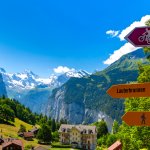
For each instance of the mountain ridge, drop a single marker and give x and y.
(83, 97)
(31, 90)
(29, 80)
(89, 95)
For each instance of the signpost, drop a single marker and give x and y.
(132, 118)
(130, 90)
(139, 37)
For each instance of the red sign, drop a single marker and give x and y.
(139, 37)
(130, 90)
(140, 118)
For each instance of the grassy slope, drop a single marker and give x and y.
(11, 131)
(63, 149)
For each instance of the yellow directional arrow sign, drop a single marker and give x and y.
(130, 90)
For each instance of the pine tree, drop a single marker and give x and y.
(53, 125)
(101, 128)
(44, 135)
(115, 127)
(22, 128)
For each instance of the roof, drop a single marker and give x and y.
(83, 129)
(40, 148)
(20, 133)
(34, 130)
(16, 142)
(28, 134)
(1, 139)
(115, 145)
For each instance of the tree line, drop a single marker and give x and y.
(10, 108)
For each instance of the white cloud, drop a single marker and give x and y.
(62, 69)
(126, 48)
(125, 31)
(112, 33)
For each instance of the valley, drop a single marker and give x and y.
(77, 93)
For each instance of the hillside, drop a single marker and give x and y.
(86, 98)
(12, 115)
(14, 118)
(11, 131)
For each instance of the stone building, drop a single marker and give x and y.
(79, 136)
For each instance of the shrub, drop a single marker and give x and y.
(28, 147)
(59, 145)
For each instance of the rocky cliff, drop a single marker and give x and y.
(84, 100)
(2, 87)
(74, 113)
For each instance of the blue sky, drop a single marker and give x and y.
(42, 35)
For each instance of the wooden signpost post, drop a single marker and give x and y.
(139, 37)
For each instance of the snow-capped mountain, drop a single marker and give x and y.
(25, 80)
(29, 80)
(32, 90)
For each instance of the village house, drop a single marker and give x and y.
(28, 136)
(20, 134)
(1, 140)
(116, 146)
(34, 130)
(79, 136)
(12, 144)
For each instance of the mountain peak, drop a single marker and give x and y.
(76, 73)
(27, 71)
(84, 72)
(28, 80)
(30, 73)
(2, 70)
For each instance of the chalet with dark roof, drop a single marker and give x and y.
(28, 136)
(34, 130)
(1, 141)
(12, 144)
(20, 134)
